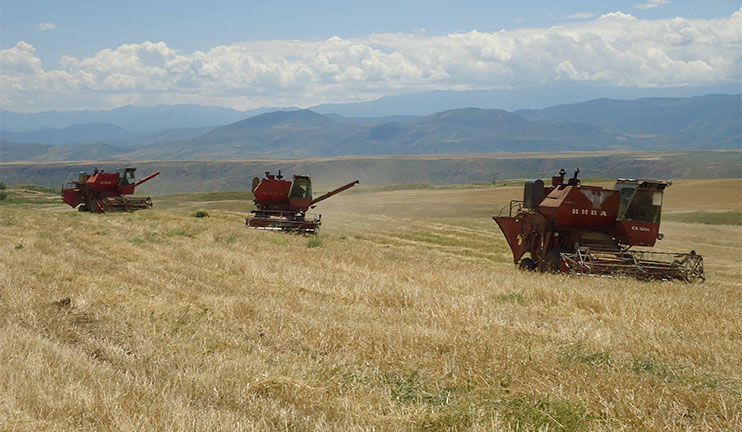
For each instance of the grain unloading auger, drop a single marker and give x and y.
(102, 192)
(282, 205)
(588, 230)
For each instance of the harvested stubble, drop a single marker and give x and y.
(151, 321)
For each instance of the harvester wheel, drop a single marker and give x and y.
(527, 264)
(82, 208)
(552, 261)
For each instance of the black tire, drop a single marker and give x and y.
(82, 208)
(527, 264)
(552, 261)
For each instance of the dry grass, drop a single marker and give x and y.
(406, 314)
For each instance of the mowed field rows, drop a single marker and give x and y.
(405, 313)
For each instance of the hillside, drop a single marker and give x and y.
(698, 123)
(711, 121)
(405, 314)
(75, 134)
(473, 130)
(210, 176)
(11, 152)
(303, 133)
(534, 97)
(131, 118)
(299, 133)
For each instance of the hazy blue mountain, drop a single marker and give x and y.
(648, 115)
(710, 121)
(11, 152)
(145, 120)
(92, 133)
(371, 120)
(76, 134)
(165, 136)
(473, 130)
(83, 152)
(132, 118)
(305, 133)
(297, 119)
(431, 102)
(280, 133)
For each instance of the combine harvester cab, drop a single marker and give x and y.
(102, 192)
(282, 205)
(571, 228)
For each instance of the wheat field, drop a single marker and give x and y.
(405, 313)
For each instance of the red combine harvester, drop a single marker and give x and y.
(102, 192)
(588, 230)
(282, 205)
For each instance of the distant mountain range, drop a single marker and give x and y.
(703, 122)
(537, 97)
(711, 121)
(76, 134)
(134, 119)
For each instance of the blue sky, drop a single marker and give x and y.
(83, 28)
(302, 53)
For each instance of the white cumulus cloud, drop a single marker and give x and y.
(615, 49)
(46, 26)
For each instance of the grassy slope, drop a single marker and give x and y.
(30, 194)
(408, 315)
(210, 176)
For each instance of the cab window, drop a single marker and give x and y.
(644, 206)
(301, 188)
(624, 200)
(126, 178)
